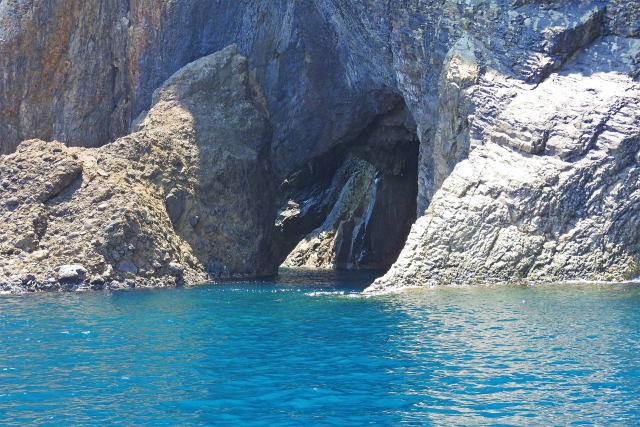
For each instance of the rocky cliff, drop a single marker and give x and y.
(550, 188)
(188, 194)
(522, 114)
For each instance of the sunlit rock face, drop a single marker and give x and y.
(550, 192)
(185, 198)
(472, 76)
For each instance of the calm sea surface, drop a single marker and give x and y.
(307, 349)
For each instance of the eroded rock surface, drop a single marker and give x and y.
(473, 79)
(122, 215)
(353, 208)
(552, 191)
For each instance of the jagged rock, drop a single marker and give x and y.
(321, 75)
(81, 73)
(107, 208)
(367, 224)
(176, 269)
(570, 212)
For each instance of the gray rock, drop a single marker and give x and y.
(315, 76)
(204, 142)
(127, 267)
(71, 273)
(194, 220)
(175, 269)
(106, 69)
(12, 203)
(115, 285)
(369, 218)
(569, 213)
(175, 203)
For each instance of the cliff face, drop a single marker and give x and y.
(553, 192)
(330, 76)
(80, 72)
(549, 190)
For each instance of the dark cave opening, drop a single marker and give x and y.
(353, 206)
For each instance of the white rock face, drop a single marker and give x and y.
(551, 192)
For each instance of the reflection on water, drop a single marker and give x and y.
(306, 348)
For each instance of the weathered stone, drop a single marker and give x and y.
(95, 69)
(11, 203)
(570, 214)
(320, 75)
(70, 273)
(127, 267)
(368, 222)
(623, 18)
(204, 137)
(175, 269)
(175, 203)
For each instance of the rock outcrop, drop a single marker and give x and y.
(511, 165)
(353, 208)
(367, 224)
(188, 193)
(552, 190)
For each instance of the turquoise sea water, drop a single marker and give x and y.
(309, 350)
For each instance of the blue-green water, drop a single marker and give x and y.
(310, 350)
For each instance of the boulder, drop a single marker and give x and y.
(69, 273)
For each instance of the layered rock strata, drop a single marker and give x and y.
(552, 190)
(474, 78)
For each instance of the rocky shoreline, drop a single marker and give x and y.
(503, 147)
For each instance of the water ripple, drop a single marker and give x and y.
(307, 350)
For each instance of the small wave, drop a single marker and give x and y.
(319, 293)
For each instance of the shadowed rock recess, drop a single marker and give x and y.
(503, 133)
